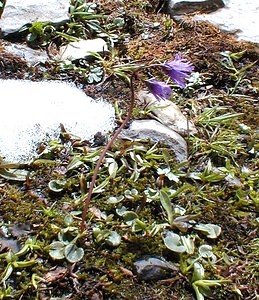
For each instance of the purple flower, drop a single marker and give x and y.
(178, 69)
(159, 89)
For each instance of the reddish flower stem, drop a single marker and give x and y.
(107, 147)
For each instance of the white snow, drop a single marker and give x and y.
(32, 111)
(238, 16)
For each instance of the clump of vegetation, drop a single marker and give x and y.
(200, 215)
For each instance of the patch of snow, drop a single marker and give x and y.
(238, 16)
(31, 112)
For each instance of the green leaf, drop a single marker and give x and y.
(205, 251)
(65, 236)
(115, 200)
(119, 22)
(212, 231)
(7, 273)
(73, 254)
(57, 250)
(131, 194)
(201, 291)
(198, 272)
(74, 163)
(57, 185)
(155, 228)
(129, 217)
(121, 211)
(166, 203)
(113, 239)
(188, 243)
(138, 225)
(199, 295)
(68, 220)
(180, 211)
(208, 283)
(223, 118)
(100, 188)
(173, 242)
(172, 177)
(237, 55)
(100, 235)
(113, 168)
(16, 175)
(67, 37)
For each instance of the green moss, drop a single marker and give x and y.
(218, 185)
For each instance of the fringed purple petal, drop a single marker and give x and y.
(178, 70)
(159, 89)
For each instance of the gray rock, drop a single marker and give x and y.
(157, 132)
(178, 7)
(18, 13)
(81, 49)
(152, 267)
(167, 113)
(31, 56)
(72, 51)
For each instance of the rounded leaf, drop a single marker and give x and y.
(172, 242)
(114, 200)
(57, 250)
(212, 231)
(57, 185)
(205, 251)
(68, 220)
(113, 240)
(73, 254)
(129, 217)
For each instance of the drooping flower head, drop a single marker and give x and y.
(178, 70)
(159, 89)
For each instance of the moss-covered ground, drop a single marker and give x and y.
(43, 254)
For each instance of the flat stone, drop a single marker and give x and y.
(167, 113)
(30, 56)
(178, 7)
(153, 267)
(157, 132)
(31, 113)
(18, 13)
(72, 51)
(81, 49)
